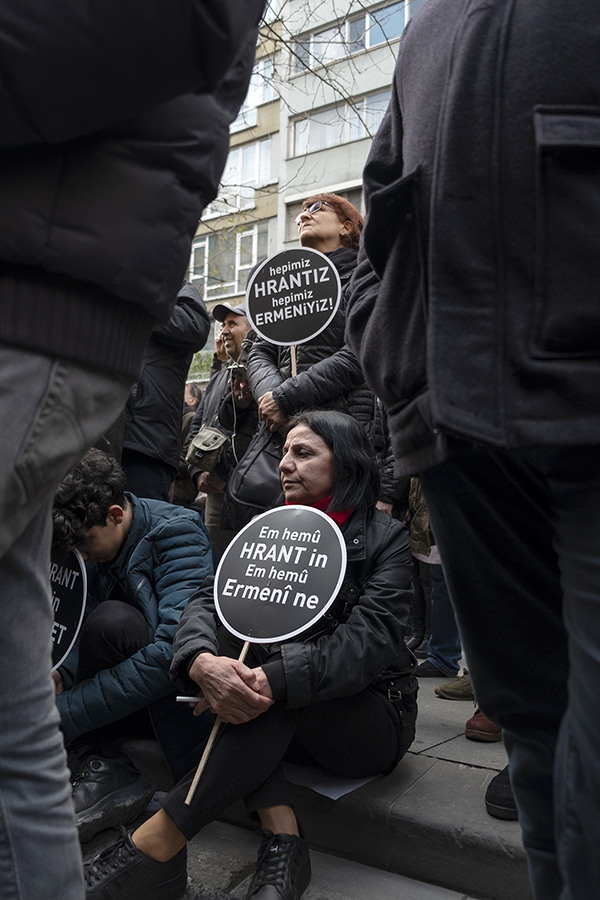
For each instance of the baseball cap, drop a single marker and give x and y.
(221, 310)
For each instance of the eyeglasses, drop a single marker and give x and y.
(313, 208)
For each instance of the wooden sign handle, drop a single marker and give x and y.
(211, 741)
(293, 355)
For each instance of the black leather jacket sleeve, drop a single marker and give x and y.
(370, 639)
(324, 381)
(360, 638)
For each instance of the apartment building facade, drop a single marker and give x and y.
(320, 87)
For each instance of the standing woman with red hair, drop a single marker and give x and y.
(328, 374)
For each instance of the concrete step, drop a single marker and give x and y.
(426, 821)
(221, 861)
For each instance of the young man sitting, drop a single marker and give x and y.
(146, 559)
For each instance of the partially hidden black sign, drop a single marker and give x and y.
(293, 296)
(69, 590)
(280, 574)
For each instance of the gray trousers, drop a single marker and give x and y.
(51, 411)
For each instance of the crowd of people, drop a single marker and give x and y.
(446, 420)
(151, 624)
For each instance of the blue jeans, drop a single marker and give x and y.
(445, 643)
(531, 521)
(50, 412)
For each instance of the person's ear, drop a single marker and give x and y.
(116, 514)
(346, 227)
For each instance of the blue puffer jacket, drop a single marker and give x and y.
(166, 557)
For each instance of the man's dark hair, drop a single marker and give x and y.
(84, 497)
(195, 390)
(357, 476)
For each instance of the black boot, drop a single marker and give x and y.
(122, 872)
(422, 651)
(283, 868)
(499, 799)
(107, 793)
(415, 641)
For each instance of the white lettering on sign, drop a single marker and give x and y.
(235, 588)
(57, 632)
(62, 575)
(258, 550)
(299, 309)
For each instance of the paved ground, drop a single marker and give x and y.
(222, 863)
(421, 833)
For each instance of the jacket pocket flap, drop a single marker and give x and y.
(389, 206)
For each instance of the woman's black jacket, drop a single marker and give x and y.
(358, 640)
(329, 377)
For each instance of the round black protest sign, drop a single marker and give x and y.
(69, 588)
(293, 296)
(280, 574)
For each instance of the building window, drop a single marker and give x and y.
(369, 29)
(260, 91)
(354, 196)
(247, 168)
(220, 262)
(340, 124)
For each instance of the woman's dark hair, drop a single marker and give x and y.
(346, 212)
(84, 497)
(357, 476)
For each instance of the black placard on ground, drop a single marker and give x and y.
(293, 296)
(69, 589)
(280, 574)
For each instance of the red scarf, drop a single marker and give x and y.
(338, 517)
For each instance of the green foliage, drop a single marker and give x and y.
(200, 366)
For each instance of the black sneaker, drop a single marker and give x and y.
(122, 872)
(282, 870)
(499, 798)
(108, 793)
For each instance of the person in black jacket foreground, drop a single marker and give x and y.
(475, 314)
(345, 696)
(113, 136)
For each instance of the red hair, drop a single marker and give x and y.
(346, 212)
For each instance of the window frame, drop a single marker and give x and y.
(306, 59)
(240, 187)
(348, 118)
(225, 289)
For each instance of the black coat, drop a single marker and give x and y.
(113, 136)
(474, 308)
(329, 377)
(358, 640)
(154, 409)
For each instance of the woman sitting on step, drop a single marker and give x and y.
(344, 696)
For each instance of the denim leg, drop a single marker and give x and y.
(50, 412)
(507, 596)
(445, 640)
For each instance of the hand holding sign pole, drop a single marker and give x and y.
(278, 576)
